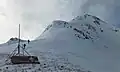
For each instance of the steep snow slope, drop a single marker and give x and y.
(83, 44)
(87, 41)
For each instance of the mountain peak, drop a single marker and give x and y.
(84, 27)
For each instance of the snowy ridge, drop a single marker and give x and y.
(86, 27)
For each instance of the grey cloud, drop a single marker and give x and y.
(3, 14)
(106, 9)
(2, 11)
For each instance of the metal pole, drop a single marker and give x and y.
(19, 41)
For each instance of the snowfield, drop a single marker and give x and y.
(84, 44)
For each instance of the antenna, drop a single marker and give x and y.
(19, 41)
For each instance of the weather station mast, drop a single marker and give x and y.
(21, 56)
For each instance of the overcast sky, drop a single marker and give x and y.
(35, 15)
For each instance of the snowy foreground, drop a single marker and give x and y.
(84, 44)
(49, 62)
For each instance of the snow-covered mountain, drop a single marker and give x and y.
(84, 44)
(87, 41)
